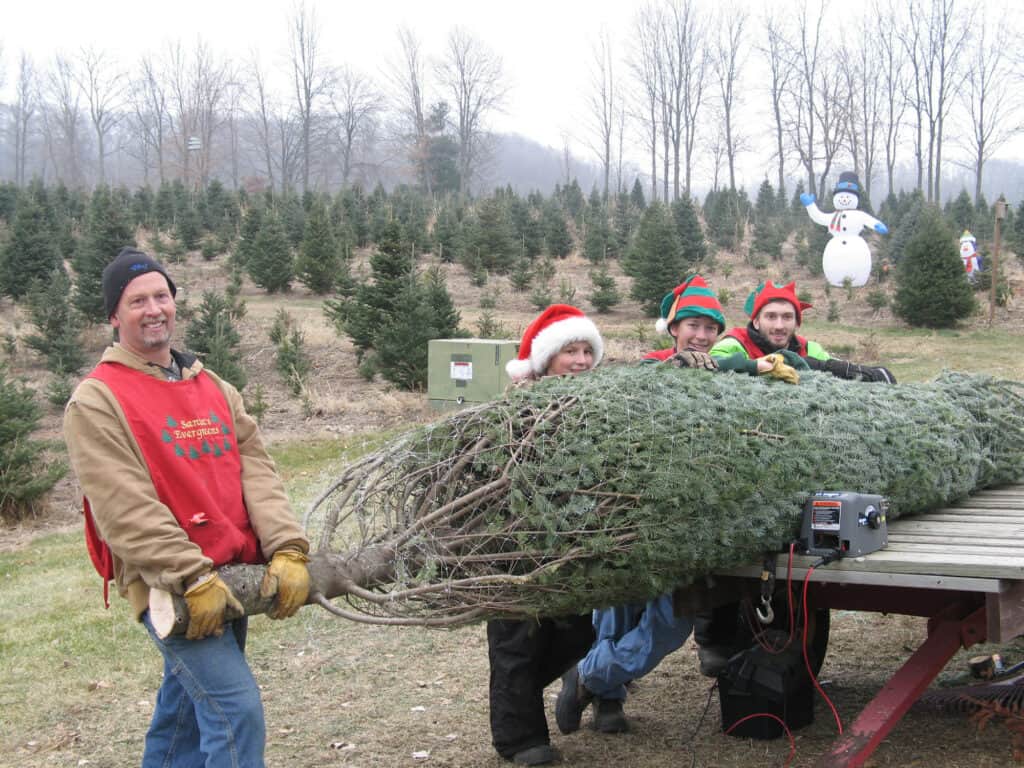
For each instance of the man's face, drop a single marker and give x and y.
(697, 333)
(777, 322)
(144, 317)
(575, 357)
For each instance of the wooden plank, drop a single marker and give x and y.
(1011, 505)
(994, 511)
(954, 549)
(1005, 613)
(963, 565)
(853, 572)
(958, 529)
(952, 516)
(929, 538)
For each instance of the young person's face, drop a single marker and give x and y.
(575, 357)
(696, 333)
(777, 322)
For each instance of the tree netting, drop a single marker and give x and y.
(627, 482)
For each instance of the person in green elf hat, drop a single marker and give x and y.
(692, 315)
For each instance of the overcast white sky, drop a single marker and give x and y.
(546, 46)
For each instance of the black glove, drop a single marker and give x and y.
(690, 358)
(844, 369)
(880, 374)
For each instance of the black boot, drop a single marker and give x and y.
(609, 717)
(572, 700)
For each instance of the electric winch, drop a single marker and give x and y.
(844, 523)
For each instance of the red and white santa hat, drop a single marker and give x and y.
(556, 326)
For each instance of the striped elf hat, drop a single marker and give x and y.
(691, 299)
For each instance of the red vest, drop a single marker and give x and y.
(660, 355)
(187, 438)
(754, 351)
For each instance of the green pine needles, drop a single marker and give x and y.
(629, 481)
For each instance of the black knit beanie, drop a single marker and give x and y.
(126, 266)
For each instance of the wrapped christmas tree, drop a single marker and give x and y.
(627, 482)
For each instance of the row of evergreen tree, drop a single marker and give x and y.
(393, 312)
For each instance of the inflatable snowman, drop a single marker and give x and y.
(847, 256)
(969, 255)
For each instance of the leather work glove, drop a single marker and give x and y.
(208, 599)
(778, 370)
(691, 358)
(287, 578)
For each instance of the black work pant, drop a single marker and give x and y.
(525, 657)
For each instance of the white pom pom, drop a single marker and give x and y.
(661, 326)
(518, 369)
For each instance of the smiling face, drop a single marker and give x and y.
(777, 322)
(144, 318)
(575, 357)
(844, 201)
(696, 333)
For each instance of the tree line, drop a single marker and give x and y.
(888, 85)
(55, 242)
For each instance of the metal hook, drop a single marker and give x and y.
(765, 612)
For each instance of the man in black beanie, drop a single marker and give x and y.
(126, 266)
(177, 483)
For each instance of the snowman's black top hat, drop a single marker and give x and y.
(848, 182)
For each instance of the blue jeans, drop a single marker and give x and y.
(631, 641)
(208, 710)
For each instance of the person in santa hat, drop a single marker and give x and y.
(525, 656)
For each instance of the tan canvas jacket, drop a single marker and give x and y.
(150, 548)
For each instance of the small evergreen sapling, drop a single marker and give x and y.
(932, 288)
(26, 475)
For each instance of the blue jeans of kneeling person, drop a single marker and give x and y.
(208, 710)
(631, 641)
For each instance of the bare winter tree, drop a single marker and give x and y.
(310, 76)
(26, 98)
(728, 58)
(684, 83)
(103, 83)
(262, 116)
(233, 116)
(807, 58)
(865, 105)
(645, 66)
(990, 98)
(780, 71)
(407, 76)
(831, 117)
(473, 76)
(934, 36)
(197, 86)
(356, 104)
(63, 123)
(601, 102)
(891, 63)
(148, 95)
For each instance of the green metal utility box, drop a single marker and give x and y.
(463, 371)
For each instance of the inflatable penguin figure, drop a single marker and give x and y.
(847, 256)
(969, 255)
